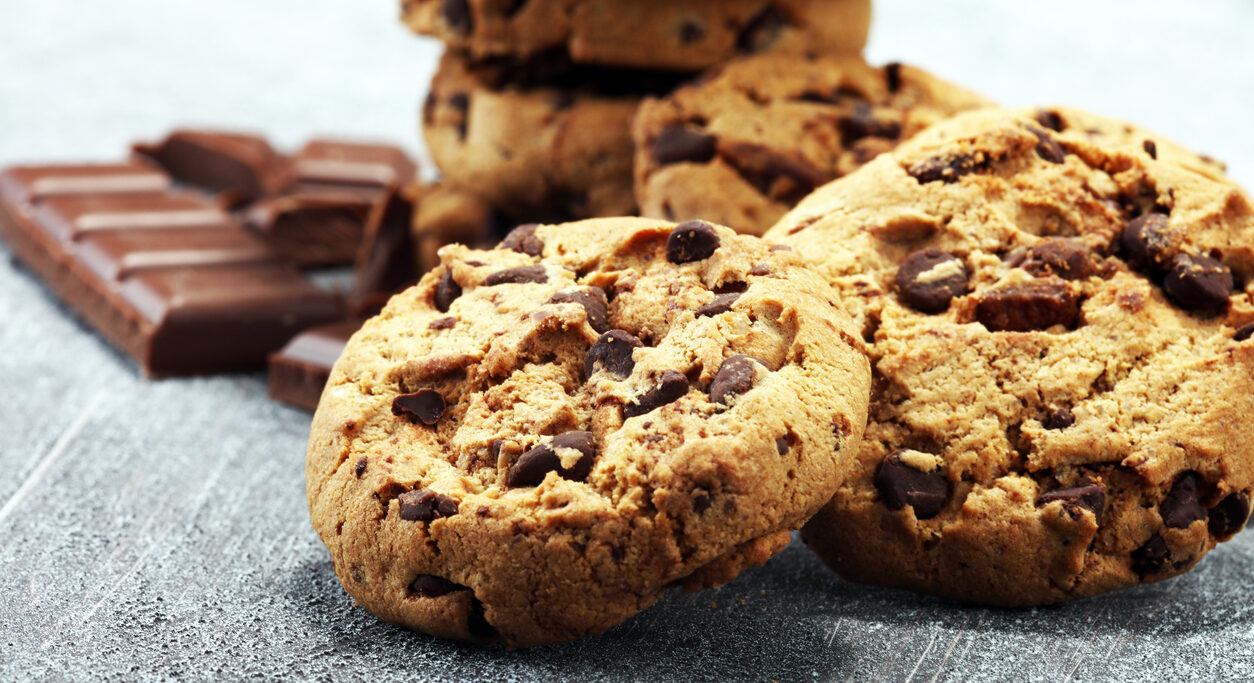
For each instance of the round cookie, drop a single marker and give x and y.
(685, 35)
(1058, 312)
(750, 140)
(534, 441)
(541, 138)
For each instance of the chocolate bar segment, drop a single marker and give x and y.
(168, 278)
(314, 227)
(237, 166)
(300, 370)
(386, 262)
(339, 165)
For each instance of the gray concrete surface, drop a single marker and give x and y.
(157, 529)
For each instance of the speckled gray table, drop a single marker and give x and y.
(158, 528)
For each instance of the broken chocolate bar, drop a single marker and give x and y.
(300, 370)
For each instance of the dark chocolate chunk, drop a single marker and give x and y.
(690, 32)
(734, 378)
(1229, 516)
(763, 30)
(360, 467)
(680, 143)
(1047, 147)
(1244, 332)
(523, 240)
(924, 292)
(783, 177)
(446, 291)
(1199, 283)
(1147, 241)
(425, 406)
(1150, 148)
(1183, 506)
(1050, 119)
(594, 304)
(424, 505)
(901, 485)
(299, 371)
(1150, 558)
(517, 276)
(785, 443)
(477, 622)
(432, 586)
(700, 502)
(514, 7)
(1024, 308)
(862, 123)
(691, 241)
(1065, 258)
(236, 165)
(1091, 497)
(613, 351)
(947, 168)
(671, 387)
(1059, 419)
(457, 15)
(732, 286)
(892, 76)
(532, 466)
(721, 304)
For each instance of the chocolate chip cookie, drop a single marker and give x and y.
(685, 35)
(1058, 311)
(746, 143)
(542, 138)
(535, 440)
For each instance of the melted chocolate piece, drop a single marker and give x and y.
(426, 406)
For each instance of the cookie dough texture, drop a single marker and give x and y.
(499, 457)
(746, 143)
(540, 138)
(1074, 415)
(687, 35)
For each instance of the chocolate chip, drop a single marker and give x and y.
(1091, 497)
(1050, 119)
(929, 279)
(763, 30)
(1147, 241)
(691, 241)
(457, 15)
(782, 445)
(1228, 517)
(515, 6)
(425, 406)
(721, 304)
(901, 485)
(671, 387)
(1199, 283)
(1047, 147)
(523, 240)
(428, 108)
(734, 378)
(946, 168)
(732, 286)
(613, 351)
(532, 466)
(594, 305)
(1151, 149)
(446, 291)
(861, 123)
(1182, 506)
(443, 323)
(892, 76)
(783, 177)
(460, 101)
(680, 143)
(360, 468)
(424, 505)
(517, 276)
(1150, 558)
(1032, 306)
(700, 503)
(1065, 258)
(477, 622)
(690, 32)
(432, 586)
(1244, 332)
(1059, 419)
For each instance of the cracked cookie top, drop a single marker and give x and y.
(1058, 311)
(536, 439)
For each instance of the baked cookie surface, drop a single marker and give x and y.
(686, 35)
(534, 441)
(746, 143)
(1058, 312)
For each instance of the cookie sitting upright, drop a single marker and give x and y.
(533, 442)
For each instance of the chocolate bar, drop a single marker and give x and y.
(348, 166)
(238, 167)
(314, 227)
(300, 370)
(168, 277)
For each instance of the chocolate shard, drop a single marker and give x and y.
(299, 371)
(1151, 557)
(1199, 283)
(1059, 256)
(735, 377)
(425, 406)
(1028, 307)
(929, 279)
(238, 166)
(721, 304)
(594, 303)
(446, 291)
(900, 485)
(682, 143)
(517, 276)
(523, 240)
(1229, 515)
(432, 586)
(671, 387)
(1183, 505)
(531, 467)
(613, 352)
(1091, 497)
(692, 241)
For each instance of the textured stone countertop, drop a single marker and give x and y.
(157, 529)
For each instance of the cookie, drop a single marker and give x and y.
(534, 441)
(685, 35)
(541, 138)
(1058, 311)
(752, 139)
